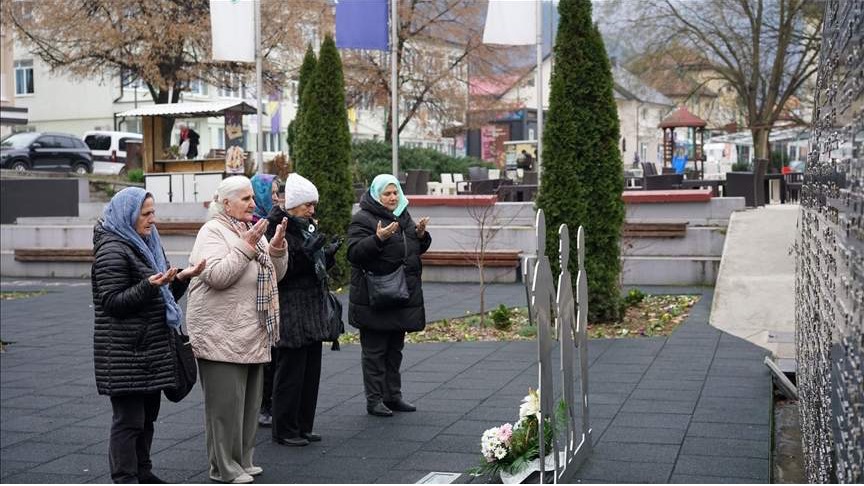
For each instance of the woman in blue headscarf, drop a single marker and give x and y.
(382, 238)
(135, 293)
(265, 189)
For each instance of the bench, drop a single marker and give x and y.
(83, 255)
(497, 258)
(181, 228)
(654, 230)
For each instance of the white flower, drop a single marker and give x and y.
(530, 404)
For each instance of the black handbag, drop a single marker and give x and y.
(333, 316)
(389, 290)
(187, 369)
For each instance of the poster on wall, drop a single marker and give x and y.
(234, 153)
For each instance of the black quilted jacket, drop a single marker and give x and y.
(132, 349)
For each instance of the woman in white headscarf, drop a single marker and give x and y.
(233, 320)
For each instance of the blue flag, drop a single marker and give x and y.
(362, 24)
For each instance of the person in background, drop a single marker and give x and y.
(266, 188)
(382, 236)
(135, 293)
(233, 321)
(304, 327)
(187, 133)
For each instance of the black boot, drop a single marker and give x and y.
(378, 409)
(400, 405)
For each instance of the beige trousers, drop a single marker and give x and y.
(232, 397)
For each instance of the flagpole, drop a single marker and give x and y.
(259, 155)
(394, 107)
(539, 83)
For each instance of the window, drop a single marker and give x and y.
(98, 142)
(67, 142)
(220, 138)
(197, 88)
(48, 142)
(24, 77)
(643, 151)
(233, 87)
(131, 80)
(121, 144)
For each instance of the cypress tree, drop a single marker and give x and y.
(307, 69)
(583, 176)
(324, 143)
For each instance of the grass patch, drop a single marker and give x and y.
(652, 315)
(16, 294)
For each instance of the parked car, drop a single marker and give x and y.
(45, 151)
(110, 146)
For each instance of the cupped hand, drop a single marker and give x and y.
(421, 226)
(192, 270)
(163, 278)
(253, 235)
(385, 232)
(278, 240)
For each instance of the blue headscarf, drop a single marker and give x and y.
(119, 217)
(262, 188)
(380, 183)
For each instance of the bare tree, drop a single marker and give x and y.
(489, 224)
(164, 43)
(765, 50)
(438, 50)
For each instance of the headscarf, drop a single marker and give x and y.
(380, 183)
(119, 218)
(262, 188)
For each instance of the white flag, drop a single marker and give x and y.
(232, 23)
(511, 22)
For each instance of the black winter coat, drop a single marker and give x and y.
(301, 294)
(133, 350)
(367, 252)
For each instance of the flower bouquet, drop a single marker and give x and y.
(513, 451)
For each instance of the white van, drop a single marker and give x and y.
(110, 147)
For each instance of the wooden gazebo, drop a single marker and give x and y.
(682, 118)
(156, 117)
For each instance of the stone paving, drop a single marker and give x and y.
(694, 407)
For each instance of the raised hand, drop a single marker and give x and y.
(278, 240)
(163, 278)
(421, 226)
(192, 270)
(253, 235)
(386, 232)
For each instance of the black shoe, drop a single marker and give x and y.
(265, 419)
(379, 410)
(401, 406)
(311, 436)
(291, 441)
(151, 479)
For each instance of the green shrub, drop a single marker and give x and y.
(741, 166)
(634, 297)
(135, 175)
(372, 157)
(528, 331)
(582, 169)
(502, 318)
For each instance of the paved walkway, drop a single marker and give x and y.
(756, 282)
(691, 408)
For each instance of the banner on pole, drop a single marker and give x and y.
(511, 22)
(232, 26)
(362, 24)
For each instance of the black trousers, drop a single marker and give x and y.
(132, 436)
(295, 390)
(381, 359)
(269, 372)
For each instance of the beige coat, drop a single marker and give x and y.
(221, 315)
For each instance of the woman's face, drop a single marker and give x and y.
(389, 197)
(274, 194)
(147, 218)
(242, 205)
(305, 210)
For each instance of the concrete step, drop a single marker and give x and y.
(715, 212)
(666, 270)
(70, 236)
(701, 241)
